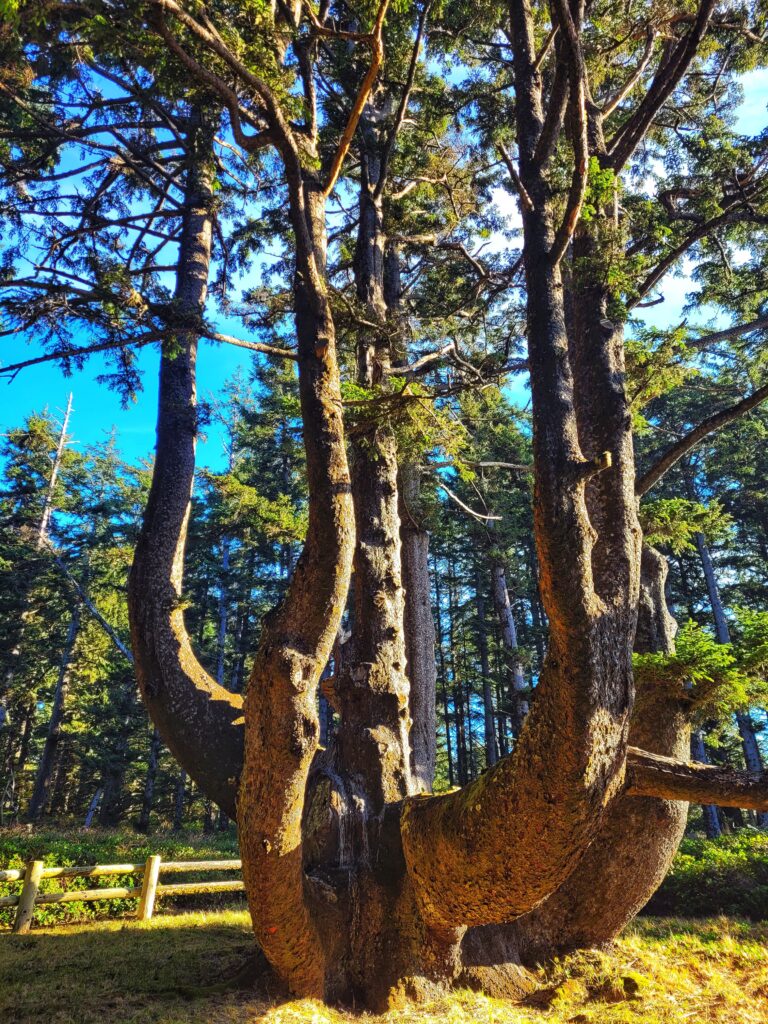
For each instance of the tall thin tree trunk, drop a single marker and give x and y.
(712, 825)
(419, 629)
(515, 672)
(44, 775)
(41, 539)
(752, 755)
(221, 632)
(489, 721)
(443, 675)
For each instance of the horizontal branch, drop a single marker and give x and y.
(693, 437)
(727, 333)
(653, 775)
(82, 352)
(420, 365)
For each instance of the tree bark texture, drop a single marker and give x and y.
(200, 721)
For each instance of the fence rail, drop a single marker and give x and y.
(146, 893)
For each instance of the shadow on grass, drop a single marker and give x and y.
(129, 973)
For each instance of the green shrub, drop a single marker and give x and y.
(717, 876)
(81, 847)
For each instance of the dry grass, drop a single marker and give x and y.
(662, 972)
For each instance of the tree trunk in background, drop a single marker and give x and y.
(93, 806)
(516, 682)
(179, 801)
(711, 817)
(489, 721)
(223, 610)
(200, 721)
(41, 540)
(443, 675)
(150, 779)
(419, 630)
(752, 756)
(44, 775)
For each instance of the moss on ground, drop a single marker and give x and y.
(662, 972)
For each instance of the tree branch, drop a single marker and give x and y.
(525, 199)
(727, 333)
(693, 437)
(610, 105)
(377, 55)
(577, 75)
(654, 775)
(667, 78)
(404, 100)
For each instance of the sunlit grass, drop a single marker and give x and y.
(663, 971)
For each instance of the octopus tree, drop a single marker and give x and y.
(361, 886)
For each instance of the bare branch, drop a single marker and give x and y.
(610, 105)
(525, 199)
(465, 508)
(420, 365)
(693, 437)
(727, 333)
(577, 75)
(377, 55)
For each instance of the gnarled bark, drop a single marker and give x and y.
(281, 714)
(541, 806)
(633, 849)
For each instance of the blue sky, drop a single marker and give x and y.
(97, 410)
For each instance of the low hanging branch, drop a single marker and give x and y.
(693, 437)
(653, 775)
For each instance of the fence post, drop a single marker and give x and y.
(149, 887)
(26, 907)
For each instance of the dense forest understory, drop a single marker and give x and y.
(468, 620)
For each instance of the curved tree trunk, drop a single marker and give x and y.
(541, 806)
(282, 726)
(199, 721)
(633, 850)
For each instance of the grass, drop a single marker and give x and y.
(663, 971)
(107, 846)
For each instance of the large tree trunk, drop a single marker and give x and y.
(199, 720)
(281, 705)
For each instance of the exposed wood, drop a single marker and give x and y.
(653, 775)
(149, 887)
(26, 906)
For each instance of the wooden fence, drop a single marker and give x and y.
(150, 888)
